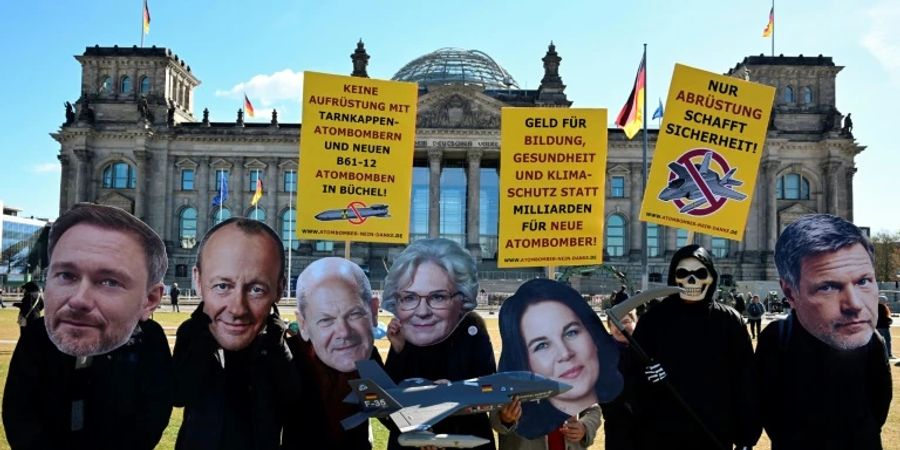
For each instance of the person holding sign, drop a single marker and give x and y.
(549, 329)
(431, 289)
(825, 366)
(703, 351)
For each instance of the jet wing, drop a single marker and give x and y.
(421, 418)
(724, 191)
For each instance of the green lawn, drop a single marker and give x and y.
(9, 332)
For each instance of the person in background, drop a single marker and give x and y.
(755, 313)
(883, 324)
(173, 296)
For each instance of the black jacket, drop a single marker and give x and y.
(322, 406)
(125, 395)
(818, 397)
(706, 352)
(241, 404)
(466, 353)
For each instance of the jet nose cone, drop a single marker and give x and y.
(562, 387)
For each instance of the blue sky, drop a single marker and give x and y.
(263, 47)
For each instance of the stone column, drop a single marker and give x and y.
(239, 190)
(201, 189)
(141, 158)
(770, 203)
(434, 193)
(851, 171)
(833, 171)
(82, 173)
(473, 203)
(65, 176)
(634, 213)
(271, 185)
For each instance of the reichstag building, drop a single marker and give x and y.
(135, 139)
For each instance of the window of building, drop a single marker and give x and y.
(453, 204)
(615, 235)
(719, 247)
(126, 86)
(288, 221)
(655, 277)
(187, 179)
(220, 214)
(290, 181)
(187, 224)
(488, 210)
(324, 246)
(792, 186)
(257, 214)
(181, 271)
(254, 175)
(652, 240)
(145, 84)
(119, 175)
(418, 212)
(105, 85)
(220, 174)
(806, 95)
(727, 279)
(617, 186)
(681, 238)
(788, 94)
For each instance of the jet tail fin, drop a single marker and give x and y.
(372, 399)
(371, 370)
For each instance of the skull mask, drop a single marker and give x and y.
(694, 278)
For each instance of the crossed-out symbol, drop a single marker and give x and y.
(714, 203)
(356, 218)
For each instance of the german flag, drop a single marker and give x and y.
(770, 27)
(631, 117)
(487, 388)
(259, 191)
(146, 18)
(248, 107)
(371, 396)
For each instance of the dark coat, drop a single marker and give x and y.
(819, 397)
(706, 352)
(466, 353)
(125, 395)
(322, 406)
(242, 403)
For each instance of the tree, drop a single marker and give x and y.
(887, 255)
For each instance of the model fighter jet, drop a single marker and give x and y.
(348, 213)
(417, 404)
(683, 185)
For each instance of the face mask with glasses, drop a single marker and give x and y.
(408, 301)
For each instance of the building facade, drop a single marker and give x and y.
(132, 140)
(19, 236)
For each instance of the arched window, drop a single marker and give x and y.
(288, 219)
(145, 84)
(788, 96)
(126, 86)
(792, 186)
(615, 235)
(806, 95)
(105, 85)
(681, 238)
(119, 175)
(257, 214)
(219, 215)
(719, 247)
(652, 240)
(187, 226)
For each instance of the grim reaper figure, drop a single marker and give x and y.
(702, 348)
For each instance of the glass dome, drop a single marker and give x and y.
(456, 66)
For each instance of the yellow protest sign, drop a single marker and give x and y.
(552, 181)
(708, 153)
(356, 149)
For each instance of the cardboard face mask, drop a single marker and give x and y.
(692, 276)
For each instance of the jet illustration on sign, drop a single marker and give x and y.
(353, 213)
(417, 404)
(684, 186)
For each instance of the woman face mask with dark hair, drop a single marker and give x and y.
(561, 348)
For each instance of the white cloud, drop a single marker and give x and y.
(267, 90)
(46, 167)
(883, 37)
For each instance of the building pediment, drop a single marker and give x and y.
(455, 106)
(255, 164)
(791, 214)
(117, 200)
(186, 163)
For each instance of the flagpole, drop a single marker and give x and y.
(142, 22)
(644, 272)
(773, 28)
(256, 211)
(221, 196)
